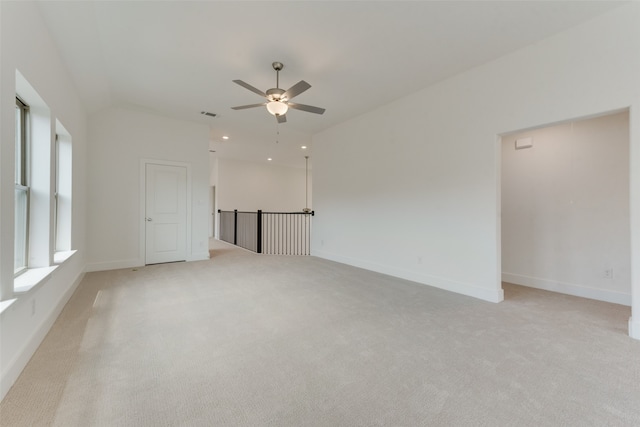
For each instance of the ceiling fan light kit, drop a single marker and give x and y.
(277, 108)
(278, 99)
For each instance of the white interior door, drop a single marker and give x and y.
(165, 213)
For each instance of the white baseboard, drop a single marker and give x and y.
(114, 265)
(568, 288)
(132, 263)
(16, 366)
(491, 295)
(199, 256)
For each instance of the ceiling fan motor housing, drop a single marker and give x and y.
(275, 94)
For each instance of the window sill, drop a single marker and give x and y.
(6, 304)
(34, 277)
(31, 278)
(62, 256)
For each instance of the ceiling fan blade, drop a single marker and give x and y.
(296, 89)
(308, 108)
(251, 88)
(281, 118)
(244, 107)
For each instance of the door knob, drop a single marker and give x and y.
(149, 219)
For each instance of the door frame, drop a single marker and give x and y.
(143, 206)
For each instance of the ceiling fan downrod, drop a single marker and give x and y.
(277, 66)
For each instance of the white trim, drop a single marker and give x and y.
(490, 295)
(143, 193)
(497, 158)
(198, 256)
(4, 305)
(135, 263)
(61, 256)
(568, 288)
(114, 265)
(31, 278)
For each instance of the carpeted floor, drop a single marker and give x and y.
(249, 340)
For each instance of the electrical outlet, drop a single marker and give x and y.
(419, 260)
(608, 273)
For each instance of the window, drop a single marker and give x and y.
(43, 168)
(21, 220)
(56, 191)
(62, 191)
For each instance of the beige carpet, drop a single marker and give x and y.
(249, 340)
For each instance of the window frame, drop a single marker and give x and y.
(56, 191)
(21, 176)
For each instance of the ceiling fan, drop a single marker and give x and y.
(278, 100)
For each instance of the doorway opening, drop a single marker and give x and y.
(565, 208)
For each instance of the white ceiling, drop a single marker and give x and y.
(178, 58)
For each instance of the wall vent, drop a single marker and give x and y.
(524, 143)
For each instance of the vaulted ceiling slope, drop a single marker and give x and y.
(179, 58)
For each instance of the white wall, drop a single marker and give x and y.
(413, 189)
(565, 209)
(119, 139)
(26, 46)
(249, 186)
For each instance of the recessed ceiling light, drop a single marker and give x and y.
(225, 137)
(269, 159)
(304, 147)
